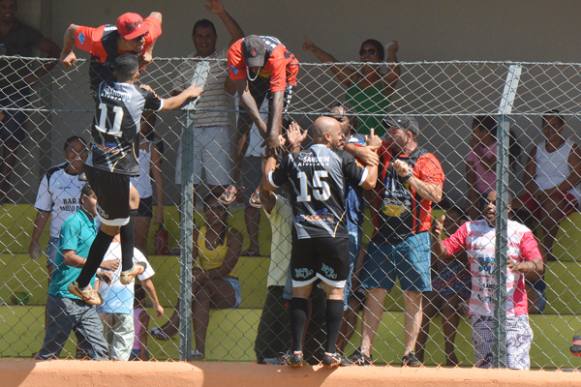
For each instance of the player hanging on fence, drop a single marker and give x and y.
(317, 177)
(113, 159)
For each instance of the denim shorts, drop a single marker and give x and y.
(233, 281)
(408, 260)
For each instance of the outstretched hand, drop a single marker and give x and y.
(308, 44)
(68, 60)
(295, 134)
(392, 48)
(215, 6)
(373, 140)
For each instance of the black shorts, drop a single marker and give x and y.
(320, 258)
(112, 190)
(145, 207)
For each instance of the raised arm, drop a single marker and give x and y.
(393, 68)
(217, 8)
(343, 73)
(177, 101)
(68, 57)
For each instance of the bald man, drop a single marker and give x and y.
(318, 177)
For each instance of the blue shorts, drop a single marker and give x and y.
(233, 281)
(408, 260)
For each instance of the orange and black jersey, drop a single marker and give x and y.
(101, 43)
(318, 177)
(281, 67)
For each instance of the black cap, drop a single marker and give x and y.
(254, 51)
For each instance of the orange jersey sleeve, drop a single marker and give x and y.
(429, 170)
(88, 39)
(283, 68)
(236, 62)
(154, 31)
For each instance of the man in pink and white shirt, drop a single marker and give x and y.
(478, 238)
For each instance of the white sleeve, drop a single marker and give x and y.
(139, 257)
(43, 198)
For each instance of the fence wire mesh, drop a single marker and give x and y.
(456, 104)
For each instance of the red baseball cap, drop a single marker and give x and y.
(130, 26)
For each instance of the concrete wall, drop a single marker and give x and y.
(519, 30)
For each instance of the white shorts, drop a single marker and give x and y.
(119, 332)
(519, 337)
(212, 156)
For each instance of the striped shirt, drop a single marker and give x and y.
(478, 238)
(215, 107)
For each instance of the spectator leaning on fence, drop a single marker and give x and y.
(113, 160)
(260, 66)
(130, 34)
(215, 252)
(552, 181)
(65, 311)
(524, 258)
(213, 114)
(410, 180)
(57, 198)
(450, 291)
(369, 85)
(116, 312)
(18, 77)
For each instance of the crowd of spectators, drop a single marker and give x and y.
(450, 277)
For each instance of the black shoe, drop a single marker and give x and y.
(294, 360)
(332, 360)
(359, 359)
(410, 360)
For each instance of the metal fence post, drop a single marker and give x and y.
(502, 188)
(186, 230)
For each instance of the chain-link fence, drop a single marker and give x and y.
(463, 110)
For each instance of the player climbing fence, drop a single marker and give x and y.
(462, 114)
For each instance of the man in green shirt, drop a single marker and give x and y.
(65, 311)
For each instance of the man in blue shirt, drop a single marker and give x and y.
(65, 311)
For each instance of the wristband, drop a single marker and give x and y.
(404, 179)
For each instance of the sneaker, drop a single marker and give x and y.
(359, 359)
(293, 359)
(410, 360)
(160, 334)
(197, 355)
(332, 360)
(88, 294)
(128, 276)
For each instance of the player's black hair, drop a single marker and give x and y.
(378, 47)
(553, 113)
(204, 23)
(86, 190)
(73, 139)
(125, 67)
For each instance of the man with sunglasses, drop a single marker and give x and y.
(131, 34)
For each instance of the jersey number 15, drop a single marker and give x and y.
(321, 189)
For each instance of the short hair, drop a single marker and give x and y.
(204, 23)
(125, 67)
(69, 141)
(378, 46)
(86, 190)
(553, 113)
(485, 122)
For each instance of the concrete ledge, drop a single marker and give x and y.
(67, 373)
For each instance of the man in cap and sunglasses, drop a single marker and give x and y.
(409, 180)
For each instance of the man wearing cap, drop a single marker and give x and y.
(260, 66)
(130, 34)
(410, 180)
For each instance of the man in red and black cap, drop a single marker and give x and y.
(260, 66)
(130, 34)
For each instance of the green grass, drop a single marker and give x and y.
(232, 333)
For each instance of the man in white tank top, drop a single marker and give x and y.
(552, 181)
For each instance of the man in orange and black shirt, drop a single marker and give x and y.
(130, 34)
(260, 66)
(410, 180)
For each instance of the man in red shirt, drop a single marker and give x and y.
(410, 180)
(260, 66)
(130, 34)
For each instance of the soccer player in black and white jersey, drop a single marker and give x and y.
(113, 159)
(317, 178)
